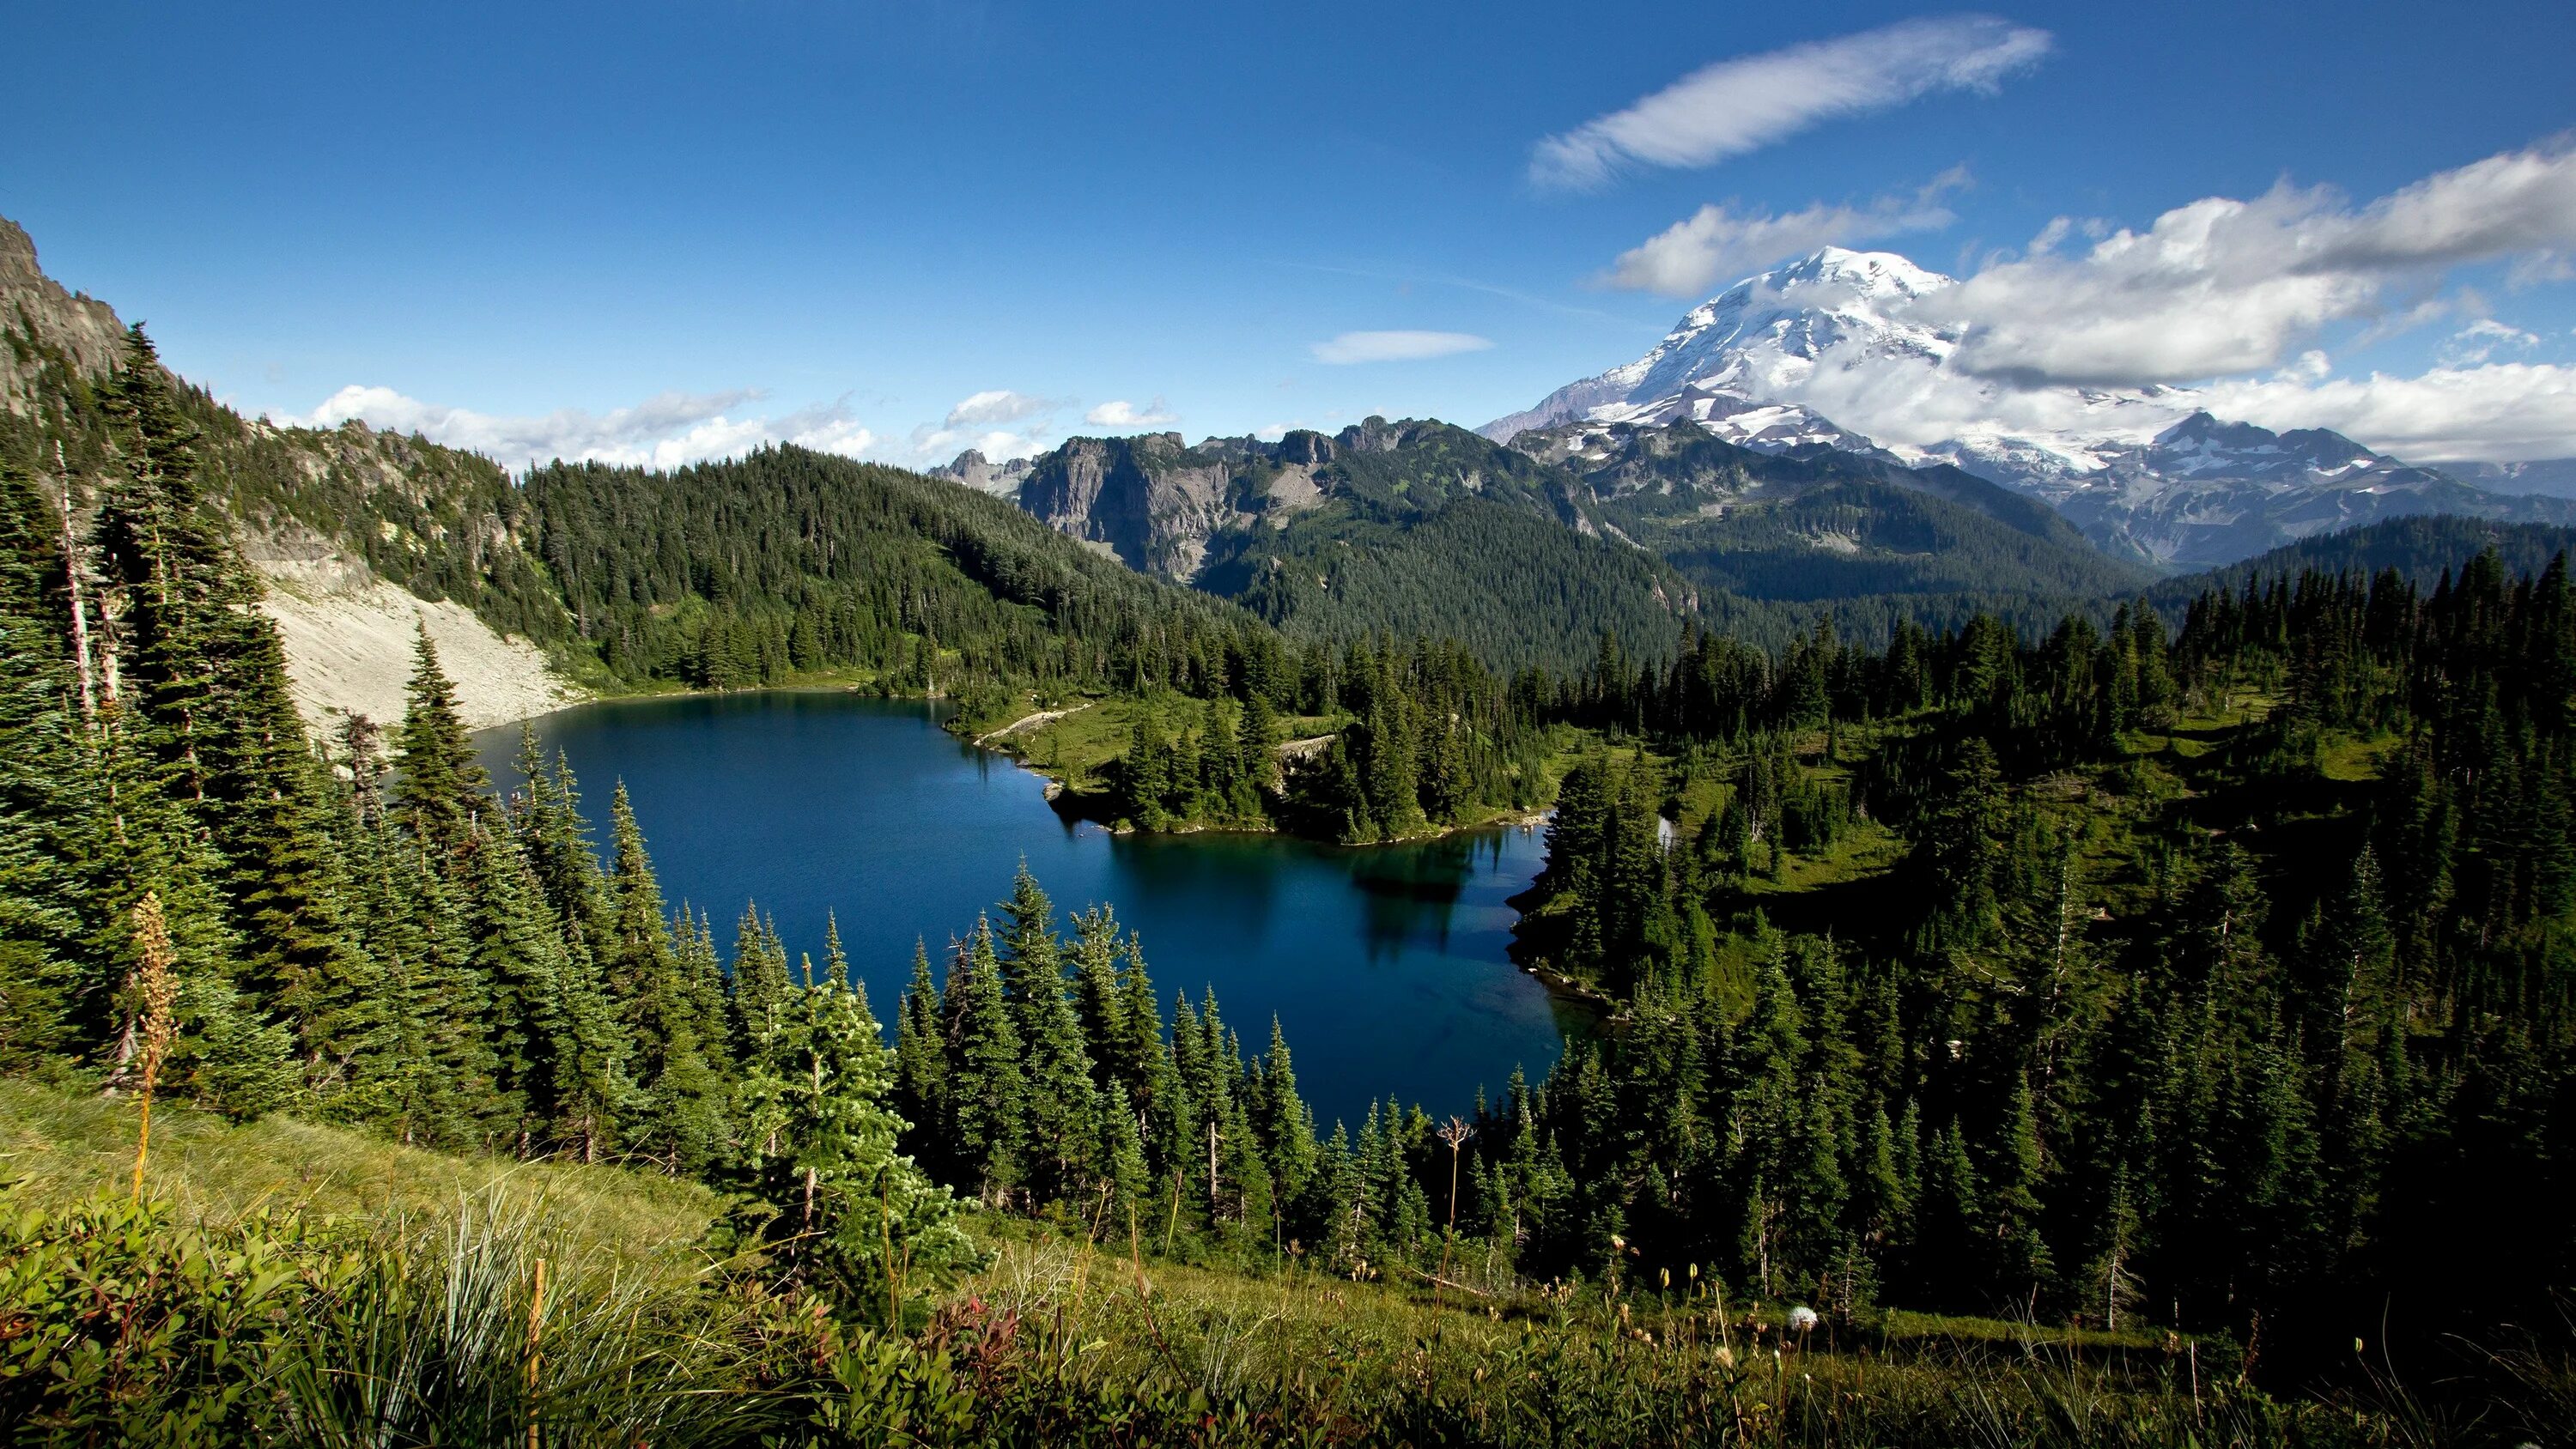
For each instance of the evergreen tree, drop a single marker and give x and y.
(760, 979)
(1062, 1139)
(443, 784)
(47, 816)
(680, 1120)
(853, 1216)
(986, 1092)
(921, 1061)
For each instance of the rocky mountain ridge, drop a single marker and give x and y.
(1169, 508)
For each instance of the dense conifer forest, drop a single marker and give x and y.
(792, 562)
(2225, 982)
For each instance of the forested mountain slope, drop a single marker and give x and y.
(1819, 525)
(2421, 549)
(740, 572)
(1415, 526)
(1529, 552)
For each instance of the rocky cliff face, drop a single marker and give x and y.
(1170, 509)
(1150, 499)
(82, 329)
(973, 469)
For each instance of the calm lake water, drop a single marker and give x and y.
(1386, 966)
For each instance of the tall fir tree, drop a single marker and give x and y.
(986, 1092)
(443, 783)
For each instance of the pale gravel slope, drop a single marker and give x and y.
(349, 634)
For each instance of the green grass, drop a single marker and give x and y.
(2353, 761)
(1078, 747)
(59, 1147)
(1867, 849)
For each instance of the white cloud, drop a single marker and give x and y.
(1688, 258)
(674, 429)
(667, 430)
(1000, 405)
(2482, 340)
(1740, 105)
(1353, 347)
(2502, 412)
(981, 422)
(1124, 414)
(2221, 286)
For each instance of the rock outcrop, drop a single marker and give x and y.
(1152, 500)
(81, 327)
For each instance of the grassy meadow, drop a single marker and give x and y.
(300, 1284)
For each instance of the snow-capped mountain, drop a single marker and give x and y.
(2207, 492)
(1769, 363)
(1738, 364)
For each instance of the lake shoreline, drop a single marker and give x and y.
(995, 742)
(1390, 968)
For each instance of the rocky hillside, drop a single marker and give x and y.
(1529, 551)
(362, 535)
(1415, 526)
(1174, 510)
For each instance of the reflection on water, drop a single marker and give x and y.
(1387, 966)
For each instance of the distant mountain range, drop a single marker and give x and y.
(1644, 502)
(1748, 504)
(2147, 474)
(1529, 551)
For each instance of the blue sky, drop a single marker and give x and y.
(693, 224)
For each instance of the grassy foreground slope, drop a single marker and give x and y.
(61, 1148)
(295, 1284)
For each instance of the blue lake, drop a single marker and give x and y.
(1386, 966)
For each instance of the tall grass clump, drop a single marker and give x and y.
(120, 1323)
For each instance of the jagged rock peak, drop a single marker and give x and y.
(17, 256)
(82, 329)
(1305, 447)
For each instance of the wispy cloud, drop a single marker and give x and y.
(1351, 347)
(1001, 405)
(1124, 414)
(2222, 286)
(1720, 242)
(2482, 339)
(667, 430)
(1741, 105)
